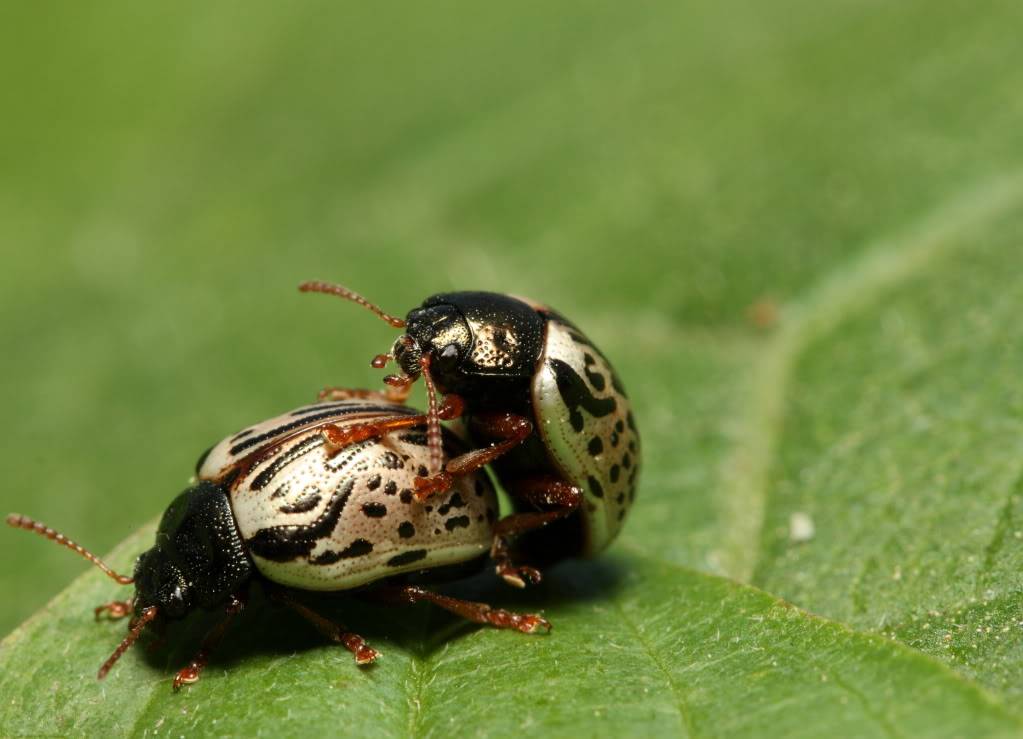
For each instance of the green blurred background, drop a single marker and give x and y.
(170, 172)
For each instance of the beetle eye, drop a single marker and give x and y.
(449, 352)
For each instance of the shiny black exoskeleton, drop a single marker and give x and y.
(482, 346)
(198, 560)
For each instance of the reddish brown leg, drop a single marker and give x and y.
(338, 438)
(511, 429)
(364, 654)
(391, 395)
(114, 610)
(190, 674)
(481, 613)
(541, 492)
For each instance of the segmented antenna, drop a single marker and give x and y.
(148, 614)
(343, 292)
(24, 522)
(433, 434)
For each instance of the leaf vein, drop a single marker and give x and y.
(845, 290)
(681, 705)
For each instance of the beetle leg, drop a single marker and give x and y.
(364, 654)
(481, 613)
(510, 429)
(338, 437)
(114, 610)
(391, 395)
(190, 674)
(540, 492)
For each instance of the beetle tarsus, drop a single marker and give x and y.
(481, 613)
(189, 675)
(518, 576)
(114, 610)
(363, 653)
(427, 487)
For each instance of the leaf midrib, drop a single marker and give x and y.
(851, 287)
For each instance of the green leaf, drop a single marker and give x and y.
(903, 439)
(794, 226)
(639, 648)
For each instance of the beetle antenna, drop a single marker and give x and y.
(433, 433)
(24, 522)
(328, 288)
(148, 614)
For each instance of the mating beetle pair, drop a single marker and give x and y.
(542, 405)
(358, 489)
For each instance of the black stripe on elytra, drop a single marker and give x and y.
(330, 412)
(457, 522)
(285, 543)
(596, 379)
(576, 395)
(303, 505)
(357, 548)
(595, 487)
(580, 338)
(202, 458)
(241, 435)
(335, 406)
(391, 461)
(374, 510)
(303, 447)
(406, 558)
(455, 502)
(414, 437)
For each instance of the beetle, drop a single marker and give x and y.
(276, 503)
(541, 403)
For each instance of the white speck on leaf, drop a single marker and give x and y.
(801, 527)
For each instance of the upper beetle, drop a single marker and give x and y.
(283, 504)
(542, 404)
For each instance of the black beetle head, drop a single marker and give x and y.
(159, 582)
(198, 559)
(477, 345)
(437, 331)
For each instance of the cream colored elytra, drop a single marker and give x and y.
(585, 420)
(321, 521)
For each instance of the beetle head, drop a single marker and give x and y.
(439, 332)
(435, 337)
(198, 559)
(160, 583)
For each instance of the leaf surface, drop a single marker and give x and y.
(638, 647)
(794, 227)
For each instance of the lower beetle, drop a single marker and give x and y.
(279, 504)
(542, 403)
